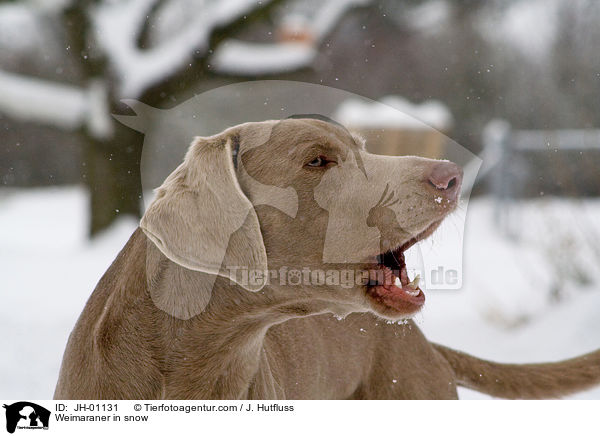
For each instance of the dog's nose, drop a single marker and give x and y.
(446, 178)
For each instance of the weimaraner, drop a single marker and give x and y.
(269, 266)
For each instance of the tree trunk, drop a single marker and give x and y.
(113, 177)
(111, 167)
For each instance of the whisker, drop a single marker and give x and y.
(393, 202)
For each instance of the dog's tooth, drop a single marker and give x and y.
(397, 282)
(413, 293)
(415, 283)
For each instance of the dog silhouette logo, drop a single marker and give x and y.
(26, 415)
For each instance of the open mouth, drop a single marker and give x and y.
(389, 284)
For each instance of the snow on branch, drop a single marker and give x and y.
(117, 26)
(239, 57)
(63, 106)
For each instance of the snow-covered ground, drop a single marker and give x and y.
(47, 270)
(506, 310)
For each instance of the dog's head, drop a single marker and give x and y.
(301, 205)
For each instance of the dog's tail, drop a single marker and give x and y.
(529, 381)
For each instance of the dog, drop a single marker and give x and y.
(231, 287)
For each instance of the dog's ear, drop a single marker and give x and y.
(201, 219)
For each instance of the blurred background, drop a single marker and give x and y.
(515, 82)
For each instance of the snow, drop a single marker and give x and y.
(245, 58)
(428, 17)
(531, 25)
(17, 21)
(117, 25)
(43, 101)
(528, 25)
(504, 311)
(26, 32)
(394, 111)
(48, 270)
(239, 57)
(25, 29)
(64, 106)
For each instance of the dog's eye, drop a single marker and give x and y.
(318, 162)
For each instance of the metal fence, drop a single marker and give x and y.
(521, 164)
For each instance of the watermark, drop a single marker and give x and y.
(344, 278)
(25, 415)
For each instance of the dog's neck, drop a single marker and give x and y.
(231, 327)
(232, 332)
